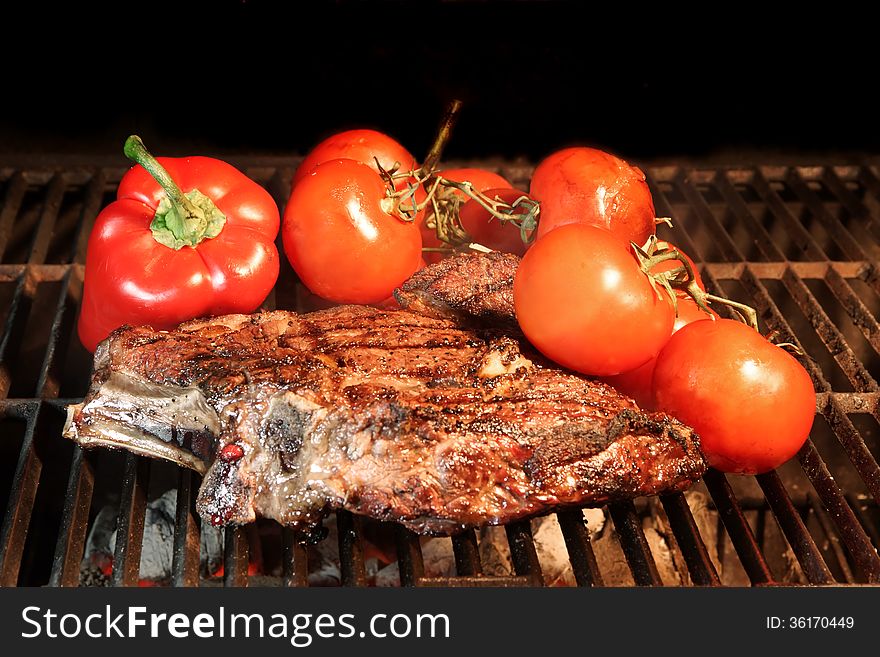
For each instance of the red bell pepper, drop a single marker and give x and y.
(186, 237)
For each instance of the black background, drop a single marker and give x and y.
(722, 80)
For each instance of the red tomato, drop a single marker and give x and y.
(586, 185)
(360, 145)
(341, 241)
(490, 231)
(637, 383)
(751, 402)
(582, 300)
(480, 179)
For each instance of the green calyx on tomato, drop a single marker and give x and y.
(181, 219)
(654, 260)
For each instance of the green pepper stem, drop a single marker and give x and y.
(135, 151)
(181, 219)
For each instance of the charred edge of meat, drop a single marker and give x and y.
(570, 453)
(468, 288)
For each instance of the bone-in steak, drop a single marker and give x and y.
(390, 414)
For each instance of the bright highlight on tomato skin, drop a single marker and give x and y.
(582, 300)
(361, 145)
(340, 241)
(751, 402)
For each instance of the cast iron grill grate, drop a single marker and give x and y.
(801, 244)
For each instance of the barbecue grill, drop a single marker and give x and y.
(799, 243)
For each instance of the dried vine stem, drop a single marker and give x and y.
(446, 204)
(683, 278)
(443, 134)
(401, 201)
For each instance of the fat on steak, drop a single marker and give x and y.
(390, 414)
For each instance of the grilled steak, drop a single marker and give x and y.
(474, 289)
(389, 414)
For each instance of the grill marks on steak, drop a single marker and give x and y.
(473, 289)
(389, 414)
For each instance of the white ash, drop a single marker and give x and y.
(437, 557)
(158, 544)
(549, 545)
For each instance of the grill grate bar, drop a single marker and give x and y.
(830, 335)
(235, 557)
(855, 308)
(130, 522)
(854, 207)
(854, 446)
(409, 556)
(795, 229)
(187, 532)
(351, 549)
(11, 204)
(854, 537)
(635, 545)
(39, 247)
(734, 201)
(832, 540)
(741, 536)
(97, 184)
(580, 549)
(294, 559)
(26, 480)
(664, 209)
(693, 196)
(841, 236)
(867, 177)
(74, 521)
(858, 507)
(523, 552)
(800, 540)
(467, 553)
(687, 535)
(13, 328)
(62, 327)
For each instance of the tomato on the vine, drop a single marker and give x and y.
(637, 383)
(490, 231)
(751, 402)
(586, 185)
(583, 301)
(342, 237)
(364, 146)
(669, 265)
(481, 179)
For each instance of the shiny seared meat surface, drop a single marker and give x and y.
(390, 414)
(474, 289)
